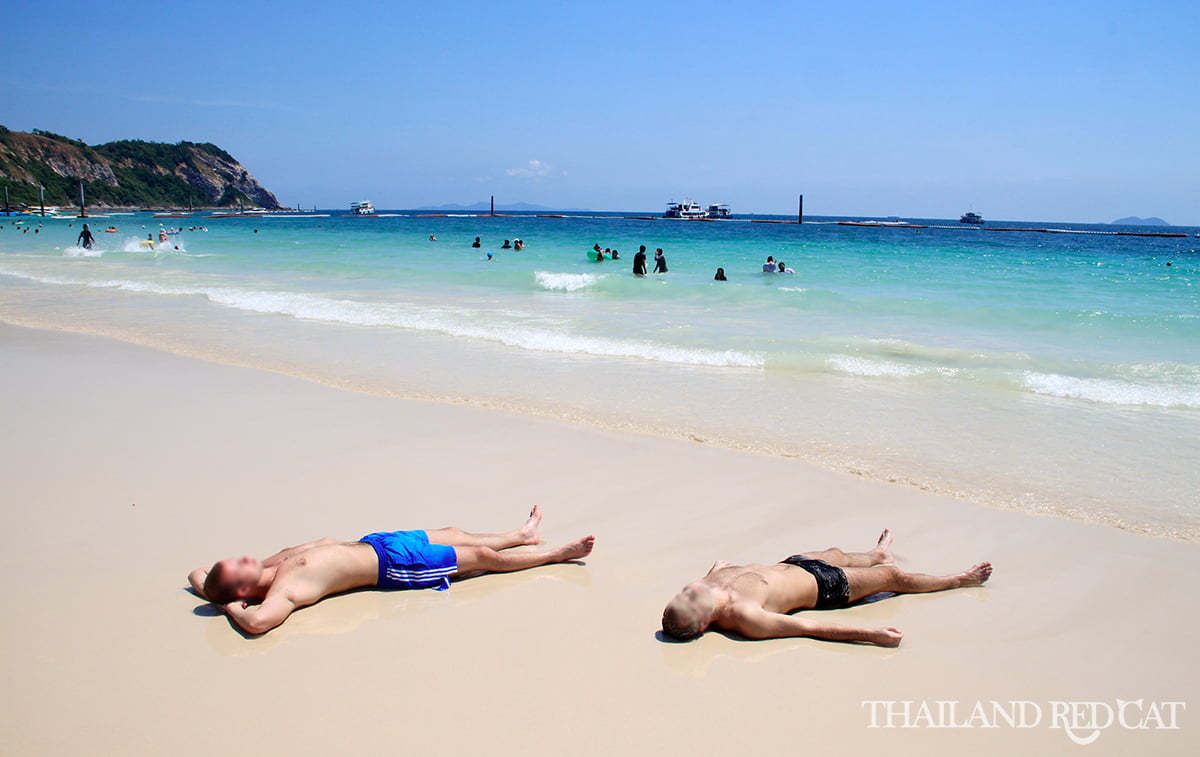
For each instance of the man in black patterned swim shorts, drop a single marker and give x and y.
(756, 600)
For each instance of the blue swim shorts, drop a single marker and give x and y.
(408, 561)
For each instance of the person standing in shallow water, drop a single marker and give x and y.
(476, 243)
(86, 240)
(660, 261)
(639, 262)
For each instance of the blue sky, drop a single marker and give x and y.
(1020, 110)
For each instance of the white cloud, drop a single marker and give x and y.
(535, 169)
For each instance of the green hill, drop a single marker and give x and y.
(128, 173)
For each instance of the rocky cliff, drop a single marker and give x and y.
(129, 173)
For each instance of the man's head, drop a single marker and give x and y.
(690, 612)
(233, 579)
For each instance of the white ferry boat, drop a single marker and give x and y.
(685, 209)
(364, 208)
(718, 210)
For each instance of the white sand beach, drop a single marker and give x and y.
(125, 467)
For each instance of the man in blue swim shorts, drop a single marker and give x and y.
(756, 601)
(259, 595)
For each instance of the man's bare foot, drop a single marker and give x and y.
(977, 575)
(577, 549)
(529, 531)
(883, 550)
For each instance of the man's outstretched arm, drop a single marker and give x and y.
(757, 623)
(256, 619)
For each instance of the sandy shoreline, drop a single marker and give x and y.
(126, 467)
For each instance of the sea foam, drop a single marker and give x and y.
(861, 366)
(471, 324)
(75, 251)
(1112, 391)
(564, 282)
(504, 328)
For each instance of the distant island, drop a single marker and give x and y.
(127, 173)
(517, 206)
(1135, 221)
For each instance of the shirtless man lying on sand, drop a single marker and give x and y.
(754, 600)
(300, 576)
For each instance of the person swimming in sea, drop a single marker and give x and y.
(769, 266)
(720, 275)
(477, 244)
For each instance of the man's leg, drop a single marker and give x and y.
(473, 559)
(867, 581)
(456, 537)
(880, 555)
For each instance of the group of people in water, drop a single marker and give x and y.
(774, 266)
(600, 254)
(771, 266)
(639, 258)
(516, 245)
(18, 224)
(87, 240)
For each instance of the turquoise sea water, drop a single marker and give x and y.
(1043, 371)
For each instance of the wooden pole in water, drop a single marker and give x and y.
(43, 196)
(493, 204)
(82, 205)
(6, 210)
(800, 212)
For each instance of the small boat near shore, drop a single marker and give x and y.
(971, 217)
